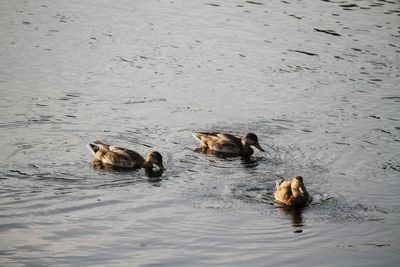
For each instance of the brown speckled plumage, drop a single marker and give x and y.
(228, 143)
(291, 192)
(123, 158)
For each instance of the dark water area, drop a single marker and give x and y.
(317, 81)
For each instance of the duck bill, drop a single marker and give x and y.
(161, 166)
(259, 147)
(302, 188)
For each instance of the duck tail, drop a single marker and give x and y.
(93, 147)
(279, 182)
(196, 136)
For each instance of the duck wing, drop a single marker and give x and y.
(116, 156)
(283, 191)
(283, 183)
(97, 146)
(228, 136)
(127, 153)
(220, 142)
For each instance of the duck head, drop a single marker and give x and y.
(252, 140)
(155, 158)
(298, 185)
(297, 181)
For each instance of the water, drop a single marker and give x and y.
(317, 81)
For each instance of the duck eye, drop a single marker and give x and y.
(155, 159)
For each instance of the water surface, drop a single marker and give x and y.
(317, 81)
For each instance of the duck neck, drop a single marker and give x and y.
(297, 189)
(246, 148)
(303, 189)
(148, 165)
(296, 192)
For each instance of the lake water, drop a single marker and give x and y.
(317, 81)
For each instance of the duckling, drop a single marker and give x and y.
(291, 192)
(227, 143)
(123, 158)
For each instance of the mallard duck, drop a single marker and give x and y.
(291, 192)
(227, 143)
(123, 158)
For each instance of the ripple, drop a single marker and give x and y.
(336, 210)
(325, 112)
(330, 32)
(254, 3)
(303, 52)
(392, 165)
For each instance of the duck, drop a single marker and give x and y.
(227, 143)
(118, 157)
(291, 193)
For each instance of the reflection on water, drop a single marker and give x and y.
(247, 161)
(318, 86)
(223, 155)
(296, 217)
(154, 176)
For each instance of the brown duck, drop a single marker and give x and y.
(123, 158)
(291, 192)
(228, 143)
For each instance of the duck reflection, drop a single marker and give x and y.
(154, 176)
(247, 161)
(208, 151)
(295, 214)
